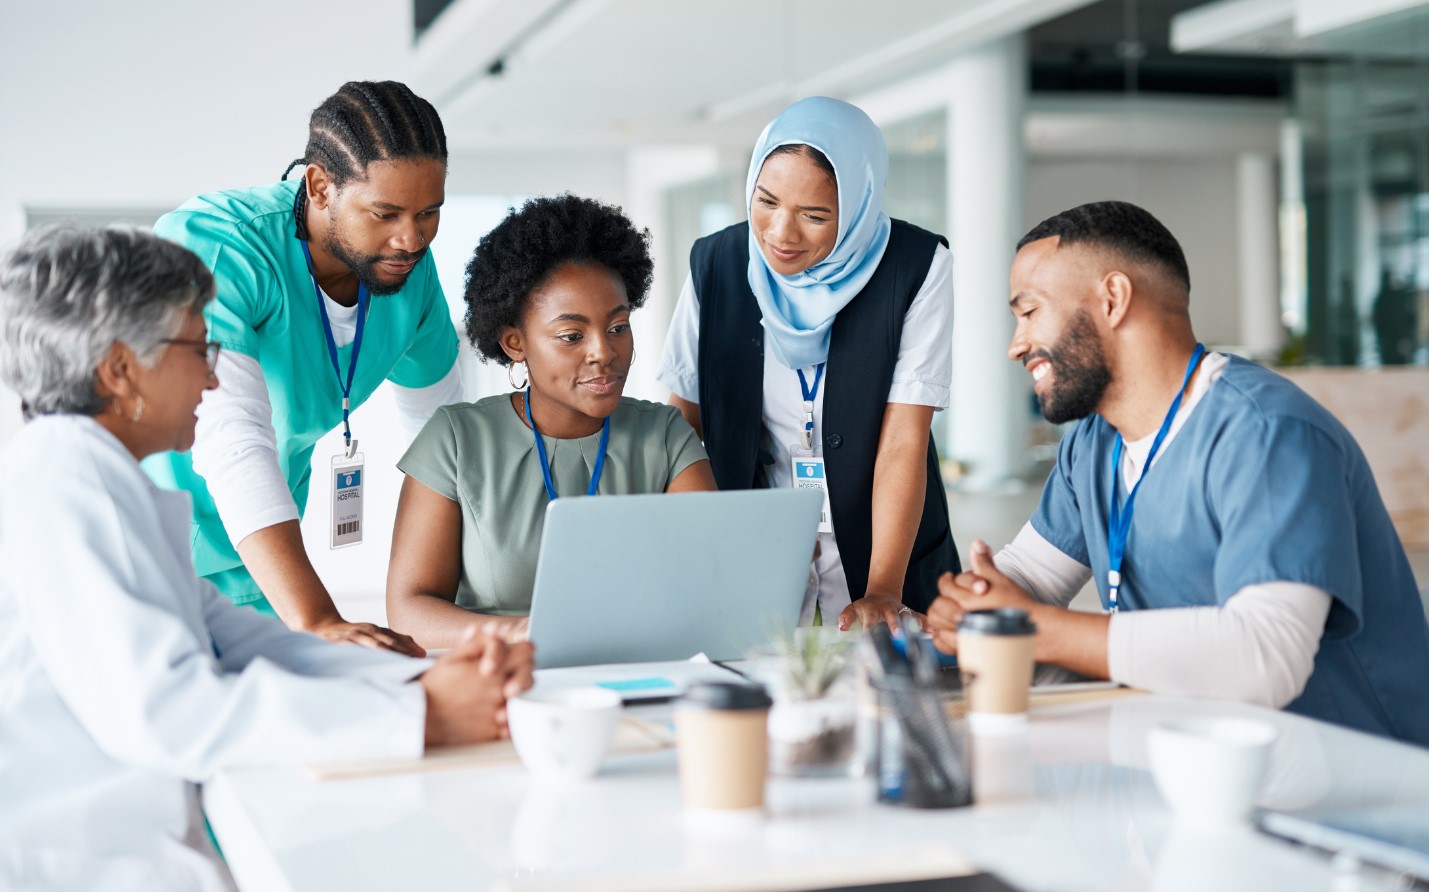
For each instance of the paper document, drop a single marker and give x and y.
(639, 681)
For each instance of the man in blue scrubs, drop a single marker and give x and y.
(1231, 524)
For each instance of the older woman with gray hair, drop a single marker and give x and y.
(113, 654)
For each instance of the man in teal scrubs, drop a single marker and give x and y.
(325, 290)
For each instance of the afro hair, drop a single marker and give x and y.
(513, 260)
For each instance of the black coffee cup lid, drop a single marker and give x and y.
(1003, 621)
(726, 695)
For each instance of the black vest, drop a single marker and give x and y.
(863, 351)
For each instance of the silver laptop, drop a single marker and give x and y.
(1393, 835)
(632, 579)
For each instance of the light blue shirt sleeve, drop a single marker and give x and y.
(680, 363)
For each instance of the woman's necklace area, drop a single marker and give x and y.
(545, 462)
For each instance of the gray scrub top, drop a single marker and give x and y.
(482, 456)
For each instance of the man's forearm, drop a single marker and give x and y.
(1072, 639)
(279, 563)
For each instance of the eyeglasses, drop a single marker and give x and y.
(211, 349)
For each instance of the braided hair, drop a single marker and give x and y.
(363, 122)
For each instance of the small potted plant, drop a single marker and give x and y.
(813, 724)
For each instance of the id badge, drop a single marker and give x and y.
(346, 500)
(808, 473)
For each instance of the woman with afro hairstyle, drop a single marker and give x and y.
(549, 293)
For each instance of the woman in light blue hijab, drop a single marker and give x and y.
(799, 305)
(811, 346)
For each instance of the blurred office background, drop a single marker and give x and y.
(1285, 142)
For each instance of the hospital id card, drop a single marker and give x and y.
(808, 473)
(346, 500)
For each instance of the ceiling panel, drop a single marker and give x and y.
(661, 71)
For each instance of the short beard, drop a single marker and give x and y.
(365, 268)
(1080, 376)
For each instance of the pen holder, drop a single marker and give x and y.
(921, 754)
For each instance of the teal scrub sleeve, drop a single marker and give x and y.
(431, 460)
(682, 444)
(245, 299)
(432, 352)
(1058, 518)
(1282, 499)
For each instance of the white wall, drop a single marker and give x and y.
(145, 103)
(1195, 198)
(593, 173)
(157, 100)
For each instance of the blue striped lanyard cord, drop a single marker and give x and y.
(810, 394)
(345, 386)
(1119, 520)
(546, 464)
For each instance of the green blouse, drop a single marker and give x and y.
(482, 456)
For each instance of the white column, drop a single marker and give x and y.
(1260, 328)
(1292, 227)
(989, 417)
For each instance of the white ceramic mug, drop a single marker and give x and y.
(1209, 770)
(563, 733)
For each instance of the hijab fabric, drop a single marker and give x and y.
(798, 311)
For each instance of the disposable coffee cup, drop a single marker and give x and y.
(721, 736)
(995, 658)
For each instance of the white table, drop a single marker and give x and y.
(1070, 805)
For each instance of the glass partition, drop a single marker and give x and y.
(1365, 121)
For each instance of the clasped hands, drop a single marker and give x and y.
(468, 686)
(983, 587)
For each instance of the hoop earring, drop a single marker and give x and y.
(525, 375)
(138, 409)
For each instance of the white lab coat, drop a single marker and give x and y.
(125, 681)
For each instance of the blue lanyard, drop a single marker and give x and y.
(809, 394)
(332, 348)
(546, 464)
(1119, 522)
